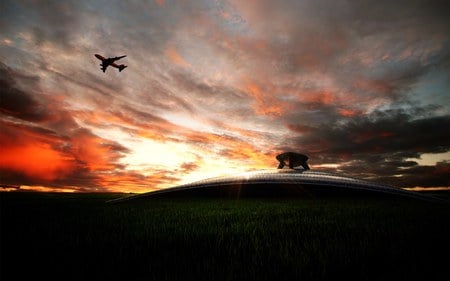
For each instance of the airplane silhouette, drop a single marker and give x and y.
(110, 62)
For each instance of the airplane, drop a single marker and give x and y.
(110, 62)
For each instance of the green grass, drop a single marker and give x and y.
(79, 237)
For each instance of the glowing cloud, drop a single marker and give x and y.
(172, 54)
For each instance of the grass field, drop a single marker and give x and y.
(79, 237)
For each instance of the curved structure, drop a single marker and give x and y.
(286, 183)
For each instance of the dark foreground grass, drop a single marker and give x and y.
(79, 237)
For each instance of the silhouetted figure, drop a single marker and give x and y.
(294, 160)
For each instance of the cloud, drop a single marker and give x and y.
(34, 152)
(188, 167)
(95, 153)
(359, 85)
(49, 21)
(381, 131)
(160, 2)
(172, 54)
(14, 101)
(380, 144)
(34, 155)
(42, 144)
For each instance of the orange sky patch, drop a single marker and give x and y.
(325, 97)
(36, 160)
(96, 153)
(160, 2)
(38, 188)
(265, 103)
(172, 54)
(33, 153)
(348, 112)
(130, 181)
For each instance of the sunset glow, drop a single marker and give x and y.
(219, 87)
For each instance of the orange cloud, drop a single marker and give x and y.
(172, 54)
(95, 153)
(324, 97)
(348, 112)
(33, 153)
(265, 103)
(160, 2)
(157, 129)
(48, 189)
(232, 148)
(131, 181)
(36, 160)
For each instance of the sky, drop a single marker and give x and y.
(215, 87)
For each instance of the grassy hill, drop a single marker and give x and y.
(79, 237)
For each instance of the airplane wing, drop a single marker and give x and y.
(118, 58)
(104, 66)
(99, 57)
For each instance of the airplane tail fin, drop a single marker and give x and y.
(122, 67)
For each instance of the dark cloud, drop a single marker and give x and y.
(422, 14)
(391, 131)
(379, 145)
(14, 101)
(48, 21)
(27, 103)
(105, 88)
(8, 13)
(381, 132)
(405, 174)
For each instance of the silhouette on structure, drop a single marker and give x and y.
(280, 183)
(110, 62)
(294, 160)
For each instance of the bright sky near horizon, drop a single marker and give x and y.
(215, 87)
